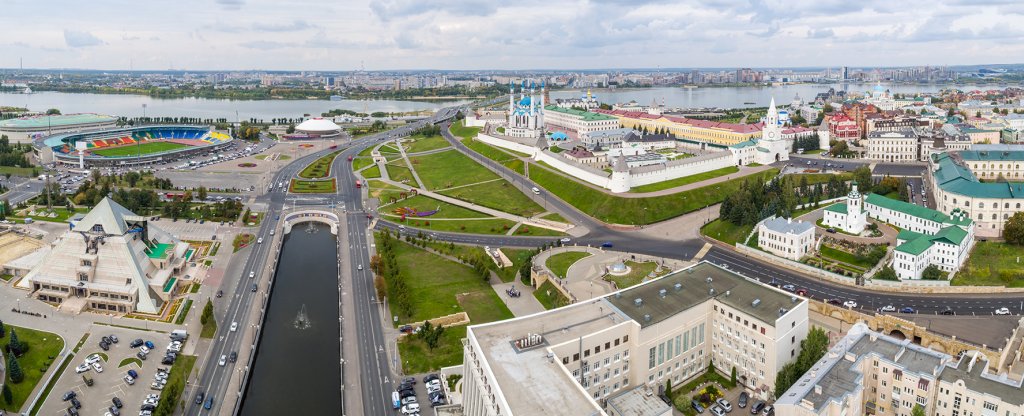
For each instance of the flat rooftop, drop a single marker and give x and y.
(691, 286)
(58, 120)
(534, 384)
(976, 378)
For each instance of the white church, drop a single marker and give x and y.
(850, 216)
(768, 149)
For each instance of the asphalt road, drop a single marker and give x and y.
(21, 189)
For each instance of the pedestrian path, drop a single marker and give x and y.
(416, 176)
(703, 250)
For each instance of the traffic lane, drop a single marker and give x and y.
(898, 170)
(374, 365)
(976, 304)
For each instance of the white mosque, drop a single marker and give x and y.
(525, 117)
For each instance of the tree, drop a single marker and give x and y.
(1013, 231)
(668, 389)
(202, 193)
(3, 330)
(917, 411)
(15, 346)
(8, 396)
(207, 312)
(290, 129)
(734, 375)
(431, 334)
(14, 369)
(863, 177)
(931, 272)
(887, 273)
(53, 112)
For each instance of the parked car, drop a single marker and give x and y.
(757, 408)
(565, 240)
(742, 401)
(717, 410)
(607, 244)
(1002, 311)
(724, 404)
(97, 367)
(430, 377)
(105, 346)
(82, 368)
(888, 308)
(770, 410)
(141, 355)
(835, 302)
(88, 380)
(789, 288)
(396, 402)
(850, 304)
(696, 406)
(947, 311)
(69, 395)
(801, 292)
(117, 402)
(150, 345)
(133, 373)
(113, 338)
(907, 309)
(411, 409)
(130, 380)
(136, 343)
(220, 293)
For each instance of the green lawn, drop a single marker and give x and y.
(320, 168)
(16, 171)
(992, 264)
(361, 162)
(459, 129)
(726, 231)
(526, 230)
(686, 180)
(62, 214)
(816, 178)
(42, 351)
(554, 216)
(399, 172)
(421, 203)
(179, 373)
(843, 256)
(130, 360)
(637, 273)
(313, 187)
(134, 150)
(418, 359)
(209, 330)
(185, 309)
(516, 165)
(60, 370)
(448, 169)
(517, 256)
(423, 144)
(437, 284)
(549, 296)
(388, 148)
(500, 195)
(618, 210)
(493, 226)
(367, 151)
(559, 263)
(488, 151)
(371, 172)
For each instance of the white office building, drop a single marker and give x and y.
(589, 357)
(785, 238)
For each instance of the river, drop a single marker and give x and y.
(735, 97)
(296, 371)
(131, 105)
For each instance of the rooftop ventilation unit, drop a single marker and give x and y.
(782, 311)
(678, 286)
(711, 291)
(793, 299)
(663, 293)
(638, 302)
(728, 292)
(709, 280)
(618, 295)
(647, 317)
(755, 303)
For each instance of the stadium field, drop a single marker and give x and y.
(133, 150)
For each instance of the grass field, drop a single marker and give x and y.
(459, 129)
(422, 203)
(133, 150)
(559, 263)
(493, 226)
(992, 264)
(423, 144)
(399, 172)
(448, 169)
(371, 172)
(16, 171)
(844, 257)
(554, 216)
(549, 296)
(313, 187)
(42, 351)
(500, 195)
(437, 284)
(320, 168)
(361, 162)
(618, 210)
(686, 180)
(418, 359)
(726, 231)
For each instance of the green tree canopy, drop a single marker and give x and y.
(1013, 231)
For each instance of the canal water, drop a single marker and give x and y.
(297, 370)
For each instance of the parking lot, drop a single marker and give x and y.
(96, 399)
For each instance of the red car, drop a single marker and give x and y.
(801, 292)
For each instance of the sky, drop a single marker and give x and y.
(503, 34)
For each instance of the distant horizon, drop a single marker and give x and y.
(7, 70)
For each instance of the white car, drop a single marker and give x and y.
(94, 358)
(223, 360)
(565, 240)
(1003, 311)
(411, 409)
(234, 326)
(82, 368)
(97, 367)
(888, 308)
(129, 379)
(144, 349)
(850, 304)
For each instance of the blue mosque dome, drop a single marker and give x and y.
(525, 101)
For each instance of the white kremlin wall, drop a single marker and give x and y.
(623, 182)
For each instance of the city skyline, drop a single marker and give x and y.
(478, 35)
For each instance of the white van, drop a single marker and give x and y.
(535, 190)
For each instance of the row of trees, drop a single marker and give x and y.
(14, 154)
(131, 121)
(812, 349)
(389, 280)
(757, 200)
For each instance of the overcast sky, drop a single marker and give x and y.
(505, 34)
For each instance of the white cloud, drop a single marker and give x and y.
(486, 34)
(77, 39)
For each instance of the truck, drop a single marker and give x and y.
(179, 334)
(359, 184)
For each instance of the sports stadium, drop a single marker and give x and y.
(129, 145)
